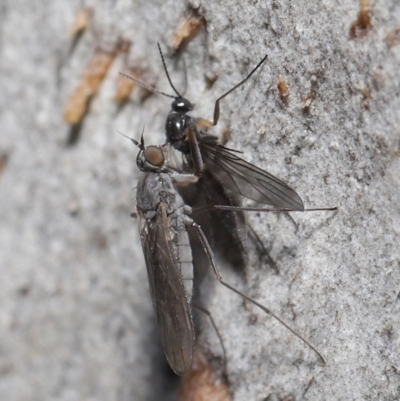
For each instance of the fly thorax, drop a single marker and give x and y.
(175, 127)
(175, 130)
(148, 194)
(169, 195)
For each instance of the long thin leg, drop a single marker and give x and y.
(254, 236)
(217, 274)
(195, 150)
(216, 107)
(208, 313)
(206, 208)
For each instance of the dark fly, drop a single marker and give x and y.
(223, 176)
(165, 221)
(203, 151)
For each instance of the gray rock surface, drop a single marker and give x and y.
(76, 321)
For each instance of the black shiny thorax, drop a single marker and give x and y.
(178, 122)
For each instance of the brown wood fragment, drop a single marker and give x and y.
(363, 23)
(91, 79)
(188, 27)
(393, 37)
(366, 94)
(125, 86)
(283, 89)
(81, 22)
(306, 102)
(201, 383)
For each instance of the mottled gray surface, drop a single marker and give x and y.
(75, 316)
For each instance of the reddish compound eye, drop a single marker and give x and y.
(154, 156)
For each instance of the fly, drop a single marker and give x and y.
(165, 242)
(223, 177)
(165, 221)
(203, 152)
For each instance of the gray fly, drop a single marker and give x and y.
(169, 264)
(165, 221)
(163, 218)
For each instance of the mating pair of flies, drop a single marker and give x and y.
(197, 197)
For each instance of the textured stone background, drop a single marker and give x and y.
(76, 321)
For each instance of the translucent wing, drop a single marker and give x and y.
(174, 319)
(226, 230)
(246, 179)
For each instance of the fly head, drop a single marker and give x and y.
(182, 105)
(150, 159)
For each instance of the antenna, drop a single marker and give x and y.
(148, 87)
(151, 88)
(166, 71)
(139, 145)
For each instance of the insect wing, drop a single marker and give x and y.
(170, 304)
(225, 230)
(246, 179)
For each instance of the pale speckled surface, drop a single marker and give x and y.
(75, 315)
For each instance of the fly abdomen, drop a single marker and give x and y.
(185, 260)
